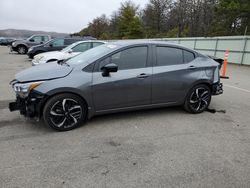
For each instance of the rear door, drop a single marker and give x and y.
(173, 74)
(130, 86)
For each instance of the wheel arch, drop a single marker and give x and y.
(56, 92)
(206, 82)
(54, 59)
(198, 82)
(22, 44)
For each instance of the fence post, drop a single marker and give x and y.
(195, 40)
(216, 46)
(243, 51)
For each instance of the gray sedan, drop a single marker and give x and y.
(116, 77)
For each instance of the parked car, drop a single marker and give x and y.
(116, 77)
(6, 41)
(68, 52)
(52, 45)
(22, 46)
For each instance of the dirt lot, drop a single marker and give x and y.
(154, 148)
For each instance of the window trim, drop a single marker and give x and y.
(155, 64)
(148, 62)
(184, 57)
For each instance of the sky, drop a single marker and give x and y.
(66, 16)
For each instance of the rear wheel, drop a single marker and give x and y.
(22, 49)
(198, 99)
(64, 112)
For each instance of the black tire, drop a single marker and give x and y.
(198, 99)
(64, 112)
(21, 49)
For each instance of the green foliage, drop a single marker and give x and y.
(173, 18)
(129, 24)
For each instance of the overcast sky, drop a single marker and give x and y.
(55, 15)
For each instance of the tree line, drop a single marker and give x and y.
(173, 18)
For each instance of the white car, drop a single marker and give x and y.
(66, 53)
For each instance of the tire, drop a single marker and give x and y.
(21, 49)
(198, 99)
(64, 112)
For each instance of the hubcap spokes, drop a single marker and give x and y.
(199, 99)
(65, 113)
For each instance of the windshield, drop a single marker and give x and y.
(30, 37)
(69, 47)
(47, 43)
(92, 54)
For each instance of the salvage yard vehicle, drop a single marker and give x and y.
(68, 52)
(7, 41)
(52, 45)
(115, 77)
(22, 46)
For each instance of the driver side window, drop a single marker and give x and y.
(132, 58)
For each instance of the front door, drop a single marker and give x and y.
(130, 86)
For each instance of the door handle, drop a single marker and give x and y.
(191, 67)
(143, 75)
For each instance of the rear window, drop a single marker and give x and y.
(188, 56)
(168, 56)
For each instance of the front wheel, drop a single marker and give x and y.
(198, 99)
(64, 112)
(22, 49)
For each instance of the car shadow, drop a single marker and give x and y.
(100, 120)
(130, 115)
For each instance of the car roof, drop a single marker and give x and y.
(83, 41)
(124, 43)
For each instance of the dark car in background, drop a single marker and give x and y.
(22, 46)
(7, 41)
(53, 45)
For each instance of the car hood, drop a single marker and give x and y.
(37, 46)
(51, 55)
(43, 72)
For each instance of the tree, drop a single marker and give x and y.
(232, 17)
(173, 18)
(129, 24)
(155, 16)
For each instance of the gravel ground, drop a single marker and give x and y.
(153, 148)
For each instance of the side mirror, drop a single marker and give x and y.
(70, 51)
(50, 45)
(111, 67)
(41, 42)
(32, 40)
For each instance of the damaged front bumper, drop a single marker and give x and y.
(29, 106)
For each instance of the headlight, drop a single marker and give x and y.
(30, 49)
(39, 58)
(13, 43)
(23, 90)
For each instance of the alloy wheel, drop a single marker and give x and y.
(65, 113)
(199, 99)
(21, 50)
